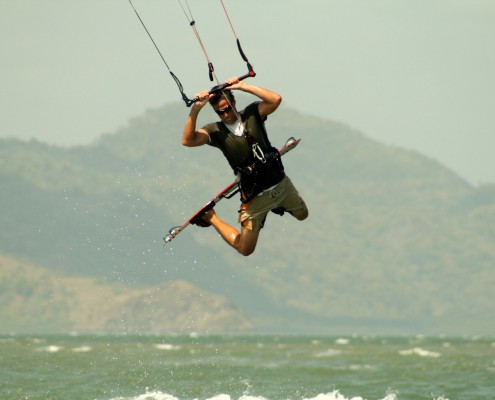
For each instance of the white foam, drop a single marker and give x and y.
(82, 349)
(335, 395)
(50, 349)
(157, 395)
(361, 367)
(342, 341)
(220, 397)
(166, 346)
(329, 353)
(419, 352)
(246, 397)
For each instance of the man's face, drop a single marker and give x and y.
(225, 111)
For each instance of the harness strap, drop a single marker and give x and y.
(258, 153)
(260, 175)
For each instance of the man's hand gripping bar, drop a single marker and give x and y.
(218, 88)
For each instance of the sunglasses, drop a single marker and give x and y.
(223, 111)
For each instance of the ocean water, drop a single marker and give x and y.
(214, 367)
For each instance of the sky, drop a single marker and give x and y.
(415, 74)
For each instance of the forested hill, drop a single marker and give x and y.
(395, 242)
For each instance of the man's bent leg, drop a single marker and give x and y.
(244, 242)
(248, 240)
(300, 213)
(294, 203)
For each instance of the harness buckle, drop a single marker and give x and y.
(258, 153)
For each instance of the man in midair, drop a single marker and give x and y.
(242, 138)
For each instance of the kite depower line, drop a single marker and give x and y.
(211, 70)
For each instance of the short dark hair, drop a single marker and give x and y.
(227, 94)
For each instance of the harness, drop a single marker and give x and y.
(264, 172)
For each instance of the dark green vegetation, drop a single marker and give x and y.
(394, 243)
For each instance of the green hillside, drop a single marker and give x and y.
(34, 300)
(394, 243)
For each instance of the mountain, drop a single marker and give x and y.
(33, 300)
(395, 242)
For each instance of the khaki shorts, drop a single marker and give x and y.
(252, 215)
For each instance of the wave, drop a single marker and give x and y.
(166, 346)
(334, 395)
(419, 352)
(328, 353)
(51, 348)
(55, 348)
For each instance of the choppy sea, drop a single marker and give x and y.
(214, 367)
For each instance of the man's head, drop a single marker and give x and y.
(223, 103)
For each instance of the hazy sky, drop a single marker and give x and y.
(418, 74)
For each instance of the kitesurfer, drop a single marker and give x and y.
(242, 138)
